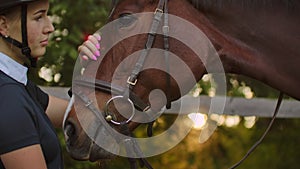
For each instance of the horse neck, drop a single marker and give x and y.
(239, 36)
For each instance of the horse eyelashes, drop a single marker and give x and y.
(126, 20)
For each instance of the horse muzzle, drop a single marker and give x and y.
(81, 147)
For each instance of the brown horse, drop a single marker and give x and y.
(258, 39)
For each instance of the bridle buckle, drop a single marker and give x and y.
(166, 29)
(130, 82)
(158, 10)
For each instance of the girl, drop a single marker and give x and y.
(27, 114)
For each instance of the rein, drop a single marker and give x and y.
(280, 98)
(132, 147)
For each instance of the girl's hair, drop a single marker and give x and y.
(12, 13)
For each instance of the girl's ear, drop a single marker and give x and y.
(3, 26)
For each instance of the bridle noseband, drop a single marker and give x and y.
(117, 91)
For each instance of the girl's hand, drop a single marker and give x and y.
(90, 49)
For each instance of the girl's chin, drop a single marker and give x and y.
(37, 54)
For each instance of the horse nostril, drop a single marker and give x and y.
(69, 129)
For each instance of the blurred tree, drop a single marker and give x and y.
(73, 22)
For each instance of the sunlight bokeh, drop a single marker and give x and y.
(198, 119)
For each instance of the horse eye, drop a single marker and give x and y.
(126, 19)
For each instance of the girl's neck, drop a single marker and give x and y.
(12, 51)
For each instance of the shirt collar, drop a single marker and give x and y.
(13, 69)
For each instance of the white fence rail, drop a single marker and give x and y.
(260, 107)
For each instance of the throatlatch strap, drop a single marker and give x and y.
(151, 35)
(166, 54)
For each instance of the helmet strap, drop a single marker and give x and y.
(24, 45)
(25, 48)
(12, 41)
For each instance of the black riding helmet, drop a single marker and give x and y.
(5, 5)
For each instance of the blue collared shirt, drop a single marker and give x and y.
(13, 69)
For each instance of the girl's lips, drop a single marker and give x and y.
(44, 42)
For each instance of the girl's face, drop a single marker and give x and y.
(39, 28)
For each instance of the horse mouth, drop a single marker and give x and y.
(77, 150)
(98, 153)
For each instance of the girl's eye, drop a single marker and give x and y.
(38, 18)
(126, 19)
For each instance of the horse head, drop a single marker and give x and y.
(141, 74)
(151, 58)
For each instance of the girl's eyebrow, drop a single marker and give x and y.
(40, 11)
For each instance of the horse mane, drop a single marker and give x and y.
(218, 4)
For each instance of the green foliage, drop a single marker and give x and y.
(73, 22)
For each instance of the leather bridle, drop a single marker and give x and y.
(134, 100)
(127, 92)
